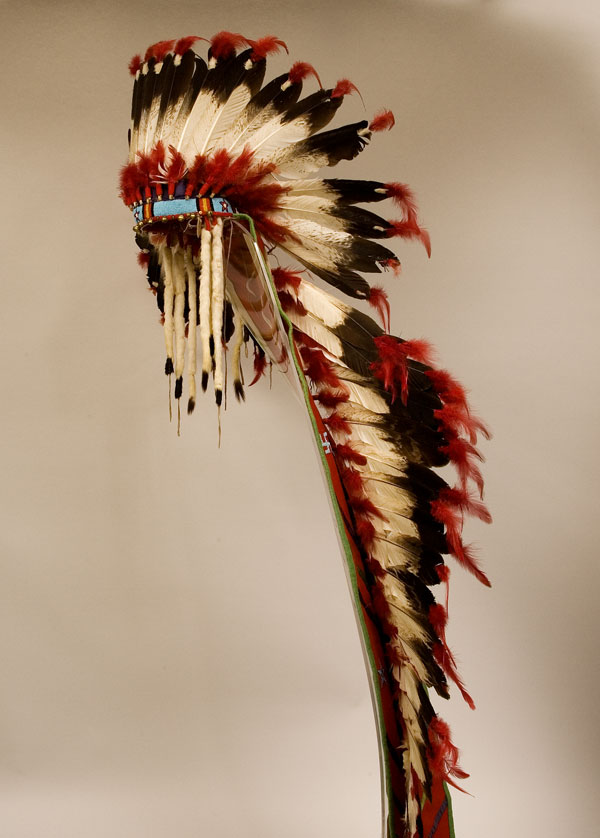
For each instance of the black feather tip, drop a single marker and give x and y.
(178, 387)
(238, 388)
(168, 366)
(191, 406)
(218, 397)
(204, 381)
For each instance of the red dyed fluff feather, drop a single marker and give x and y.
(215, 171)
(346, 452)
(318, 368)
(291, 304)
(379, 300)
(239, 167)
(402, 195)
(144, 165)
(335, 423)
(157, 160)
(130, 183)
(175, 170)
(286, 278)
(353, 482)
(451, 517)
(438, 618)
(305, 341)
(343, 88)
(331, 398)
(143, 259)
(382, 121)
(394, 264)
(300, 70)
(462, 455)
(463, 501)
(359, 501)
(365, 530)
(135, 64)
(254, 176)
(443, 753)
(364, 506)
(260, 365)
(456, 417)
(266, 46)
(443, 572)
(409, 229)
(392, 366)
(381, 605)
(196, 175)
(224, 44)
(446, 661)
(447, 387)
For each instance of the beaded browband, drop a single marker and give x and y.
(179, 208)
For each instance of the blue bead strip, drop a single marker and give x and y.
(181, 206)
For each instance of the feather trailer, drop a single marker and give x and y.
(217, 182)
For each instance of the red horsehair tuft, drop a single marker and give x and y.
(343, 88)
(184, 44)
(266, 46)
(300, 70)
(224, 44)
(383, 121)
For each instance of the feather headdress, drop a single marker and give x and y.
(222, 170)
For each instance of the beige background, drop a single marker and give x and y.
(177, 647)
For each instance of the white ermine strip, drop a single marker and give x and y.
(193, 314)
(165, 258)
(218, 299)
(205, 295)
(179, 307)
